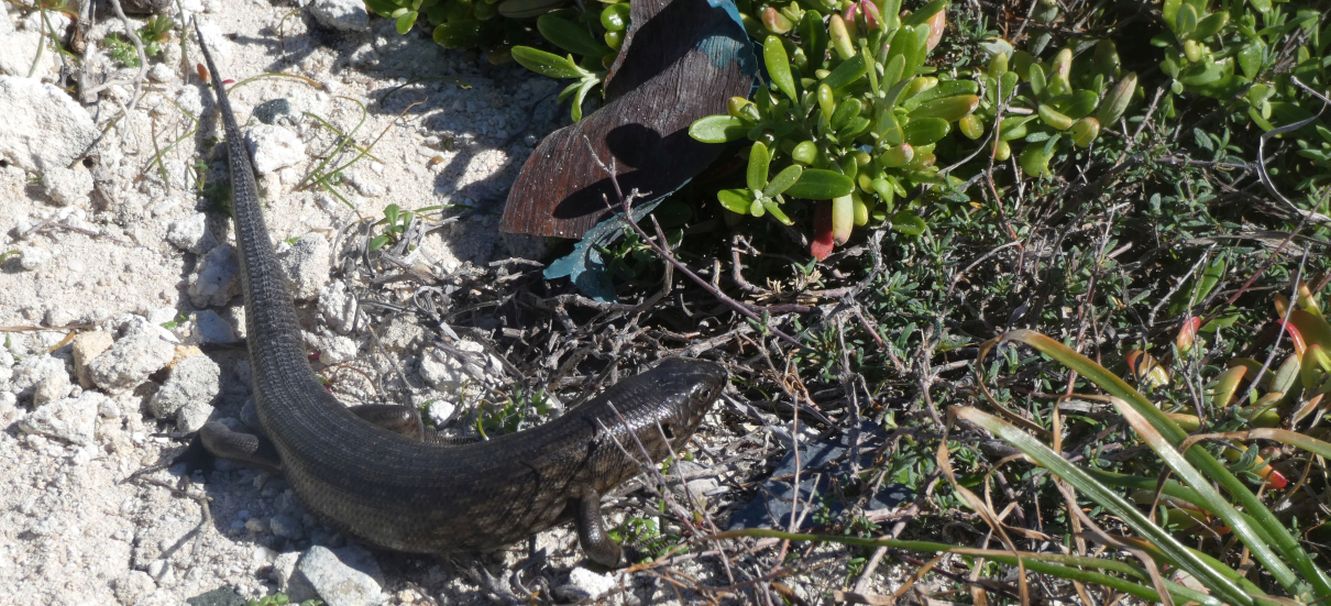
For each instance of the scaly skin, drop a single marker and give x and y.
(413, 496)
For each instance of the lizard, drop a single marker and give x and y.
(367, 470)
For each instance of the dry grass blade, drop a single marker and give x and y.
(992, 518)
(1284, 436)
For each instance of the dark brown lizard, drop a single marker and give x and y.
(394, 490)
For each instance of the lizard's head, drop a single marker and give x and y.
(653, 414)
(684, 390)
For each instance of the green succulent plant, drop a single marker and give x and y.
(850, 92)
(1071, 97)
(591, 40)
(591, 36)
(765, 193)
(1265, 58)
(463, 23)
(850, 95)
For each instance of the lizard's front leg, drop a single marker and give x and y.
(595, 542)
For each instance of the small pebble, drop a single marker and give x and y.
(40, 373)
(196, 379)
(274, 148)
(50, 388)
(337, 307)
(462, 364)
(193, 415)
(159, 72)
(32, 258)
(87, 346)
(67, 186)
(143, 350)
(191, 234)
(133, 587)
(286, 526)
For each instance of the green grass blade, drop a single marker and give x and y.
(1218, 581)
(1212, 500)
(1270, 531)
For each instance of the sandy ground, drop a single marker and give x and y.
(75, 527)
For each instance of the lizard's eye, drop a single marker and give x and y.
(669, 433)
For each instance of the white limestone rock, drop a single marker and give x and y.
(55, 130)
(67, 186)
(461, 365)
(191, 234)
(196, 379)
(72, 420)
(344, 15)
(142, 350)
(218, 279)
(87, 346)
(349, 576)
(307, 262)
(338, 307)
(274, 148)
(40, 379)
(585, 585)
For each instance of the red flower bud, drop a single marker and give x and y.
(867, 8)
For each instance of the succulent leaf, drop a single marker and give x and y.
(820, 184)
(783, 180)
(778, 66)
(759, 161)
(717, 129)
(735, 200)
